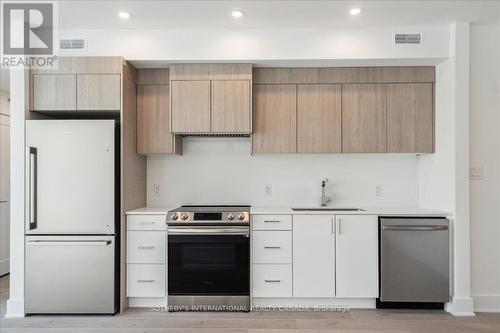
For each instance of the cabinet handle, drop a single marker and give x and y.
(272, 281)
(145, 280)
(272, 247)
(272, 221)
(145, 247)
(332, 226)
(340, 225)
(146, 223)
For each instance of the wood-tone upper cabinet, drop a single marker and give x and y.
(275, 114)
(54, 92)
(356, 256)
(231, 106)
(98, 92)
(153, 120)
(319, 118)
(190, 106)
(313, 256)
(364, 118)
(410, 118)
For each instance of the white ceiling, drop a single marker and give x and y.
(271, 14)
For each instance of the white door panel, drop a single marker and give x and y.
(313, 256)
(75, 176)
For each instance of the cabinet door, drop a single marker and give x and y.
(275, 114)
(313, 256)
(98, 92)
(410, 118)
(4, 158)
(153, 120)
(364, 118)
(231, 109)
(357, 256)
(319, 118)
(54, 92)
(190, 106)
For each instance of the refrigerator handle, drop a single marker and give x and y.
(31, 188)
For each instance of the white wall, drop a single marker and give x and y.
(221, 170)
(262, 44)
(485, 153)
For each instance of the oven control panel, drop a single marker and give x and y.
(208, 217)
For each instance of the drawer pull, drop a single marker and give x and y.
(146, 222)
(145, 280)
(272, 247)
(272, 221)
(145, 247)
(272, 281)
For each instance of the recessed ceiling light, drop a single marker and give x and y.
(355, 11)
(124, 15)
(237, 13)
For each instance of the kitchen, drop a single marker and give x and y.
(224, 174)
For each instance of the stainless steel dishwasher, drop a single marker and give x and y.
(414, 262)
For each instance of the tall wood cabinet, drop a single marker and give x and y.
(153, 116)
(211, 98)
(364, 118)
(410, 118)
(275, 117)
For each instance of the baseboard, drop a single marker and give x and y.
(4, 267)
(15, 308)
(147, 302)
(460, 306)
(310, 303)
(486, 303)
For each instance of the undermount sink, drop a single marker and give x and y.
(335, 209)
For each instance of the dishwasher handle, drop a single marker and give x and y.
(415, 227)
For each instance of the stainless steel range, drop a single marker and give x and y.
(209, 258)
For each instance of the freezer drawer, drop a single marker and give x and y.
(414, 260)
(70, 274)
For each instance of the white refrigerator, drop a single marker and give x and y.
(70, 264)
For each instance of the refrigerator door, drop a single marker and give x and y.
(70, 177)
(70, 274)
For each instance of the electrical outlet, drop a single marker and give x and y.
(378, 190)
(268, 190)
(156, 190)
(476, 173)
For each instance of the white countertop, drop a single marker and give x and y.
(273, 210)
(386, 211)
(150, 211)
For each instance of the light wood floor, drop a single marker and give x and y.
(355, 321)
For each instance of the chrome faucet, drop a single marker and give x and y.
(324, 199)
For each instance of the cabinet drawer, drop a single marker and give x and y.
(146, 247)
(145, 280)
(271, 222)
(272, 247)
(272, 281)
(146, 222)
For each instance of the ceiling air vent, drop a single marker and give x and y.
(72, 44)
(407, 38)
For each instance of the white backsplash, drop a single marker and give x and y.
(222, 171)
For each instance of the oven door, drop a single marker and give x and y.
(208, 260)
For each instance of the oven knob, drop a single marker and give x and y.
(174, 216)
(241, 216)
(230, 216)
(184, 216)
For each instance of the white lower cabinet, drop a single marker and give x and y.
(145, 280)
(272, 280)
(313, 256)
(272, 247)
(357, 256)
(146, 260)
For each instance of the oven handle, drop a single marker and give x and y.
(216, 231)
